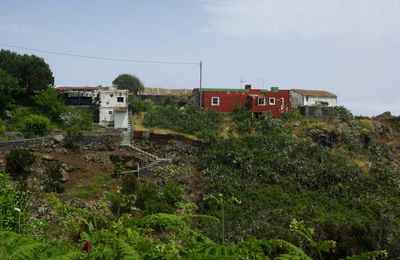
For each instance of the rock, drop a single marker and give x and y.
(58, 138)
(64, 176)
(14, 135)
(7, 114)
(385, 115)
(48, 157)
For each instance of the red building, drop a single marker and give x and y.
(226, 100)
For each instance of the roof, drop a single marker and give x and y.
(225, 89)
(76, 88)
(315, 93)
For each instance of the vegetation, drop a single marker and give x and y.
(129, 82)
(136, 105)
(190, 119)
(36, 125)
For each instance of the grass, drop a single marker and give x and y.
(90, 190)
(138, 126)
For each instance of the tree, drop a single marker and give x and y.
(9, 89)
(32, 72)
(50, 103)
(129, 82)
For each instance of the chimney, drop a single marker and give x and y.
(247, 87)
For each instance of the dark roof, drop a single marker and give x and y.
(76, 88)
(315, 93)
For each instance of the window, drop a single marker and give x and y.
(307, 98)
(120, 99)
(261, 101)
(215, 101)
(272, 101)
(110, 112)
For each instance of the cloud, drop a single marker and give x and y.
(305, 18)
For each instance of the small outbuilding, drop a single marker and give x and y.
(305, 97)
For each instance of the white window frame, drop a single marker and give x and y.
(212, 101)
(258, 101)
(272, 101)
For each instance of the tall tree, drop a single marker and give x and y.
(129, 82)
(9, 89)
(32, 72)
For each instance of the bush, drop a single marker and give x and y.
(293, 115)
(76, 120)
(2, 127)
(54, 174)
(136, 105)
(36, 125)
(129, 184)
(50, 103)
(19, 162)
(11, 204)
(172, 193)
(190, 119)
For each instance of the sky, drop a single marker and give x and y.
(348, 47)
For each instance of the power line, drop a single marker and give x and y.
(175, 77)
(99, 58)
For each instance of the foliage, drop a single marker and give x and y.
(50, 103)
(53, 173)
(11, 204)
(9, 89)
(36, 125)
(129, 82)
(244, 119)
(172, 193)
(136, 105)
(32, 72)
(19, 163)
(76, 120)
(190, 120)
(118, 169)
(129, 184)
(293, 115)
(2, 127)
(279, 176)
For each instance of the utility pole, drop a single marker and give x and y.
(201, 82)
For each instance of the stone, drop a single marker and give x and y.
(7, 114)
(58, 138)
(48, 157)
(64, 176)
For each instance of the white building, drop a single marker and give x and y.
(304, 97)
(113, 108)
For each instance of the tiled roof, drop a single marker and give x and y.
(314, 93)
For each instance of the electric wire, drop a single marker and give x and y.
(99, 58)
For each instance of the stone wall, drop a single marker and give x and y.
(164, 138)
(92, 142)
(320, 112)
(33, 144)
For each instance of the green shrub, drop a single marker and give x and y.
(76, 120)
(11, 204)
(36, 125)
(2, 127)
(172, 193)
(190, 119)
(53, 173)
(293, 115)
(19, 162)
(136, 105)
(50, 103)
(129, 184)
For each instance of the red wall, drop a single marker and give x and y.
(228, 100)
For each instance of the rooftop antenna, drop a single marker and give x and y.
(241, 82)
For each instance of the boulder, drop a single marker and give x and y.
(7, 114)
(64, 176)
(48, 157)
(58, 138)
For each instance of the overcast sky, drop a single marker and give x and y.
(348, 47)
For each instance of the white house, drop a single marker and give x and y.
(304, 97)
(113, 108)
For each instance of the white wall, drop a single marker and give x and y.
(297, 99)
(121, 120)
(109, 103)
(314, 101)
